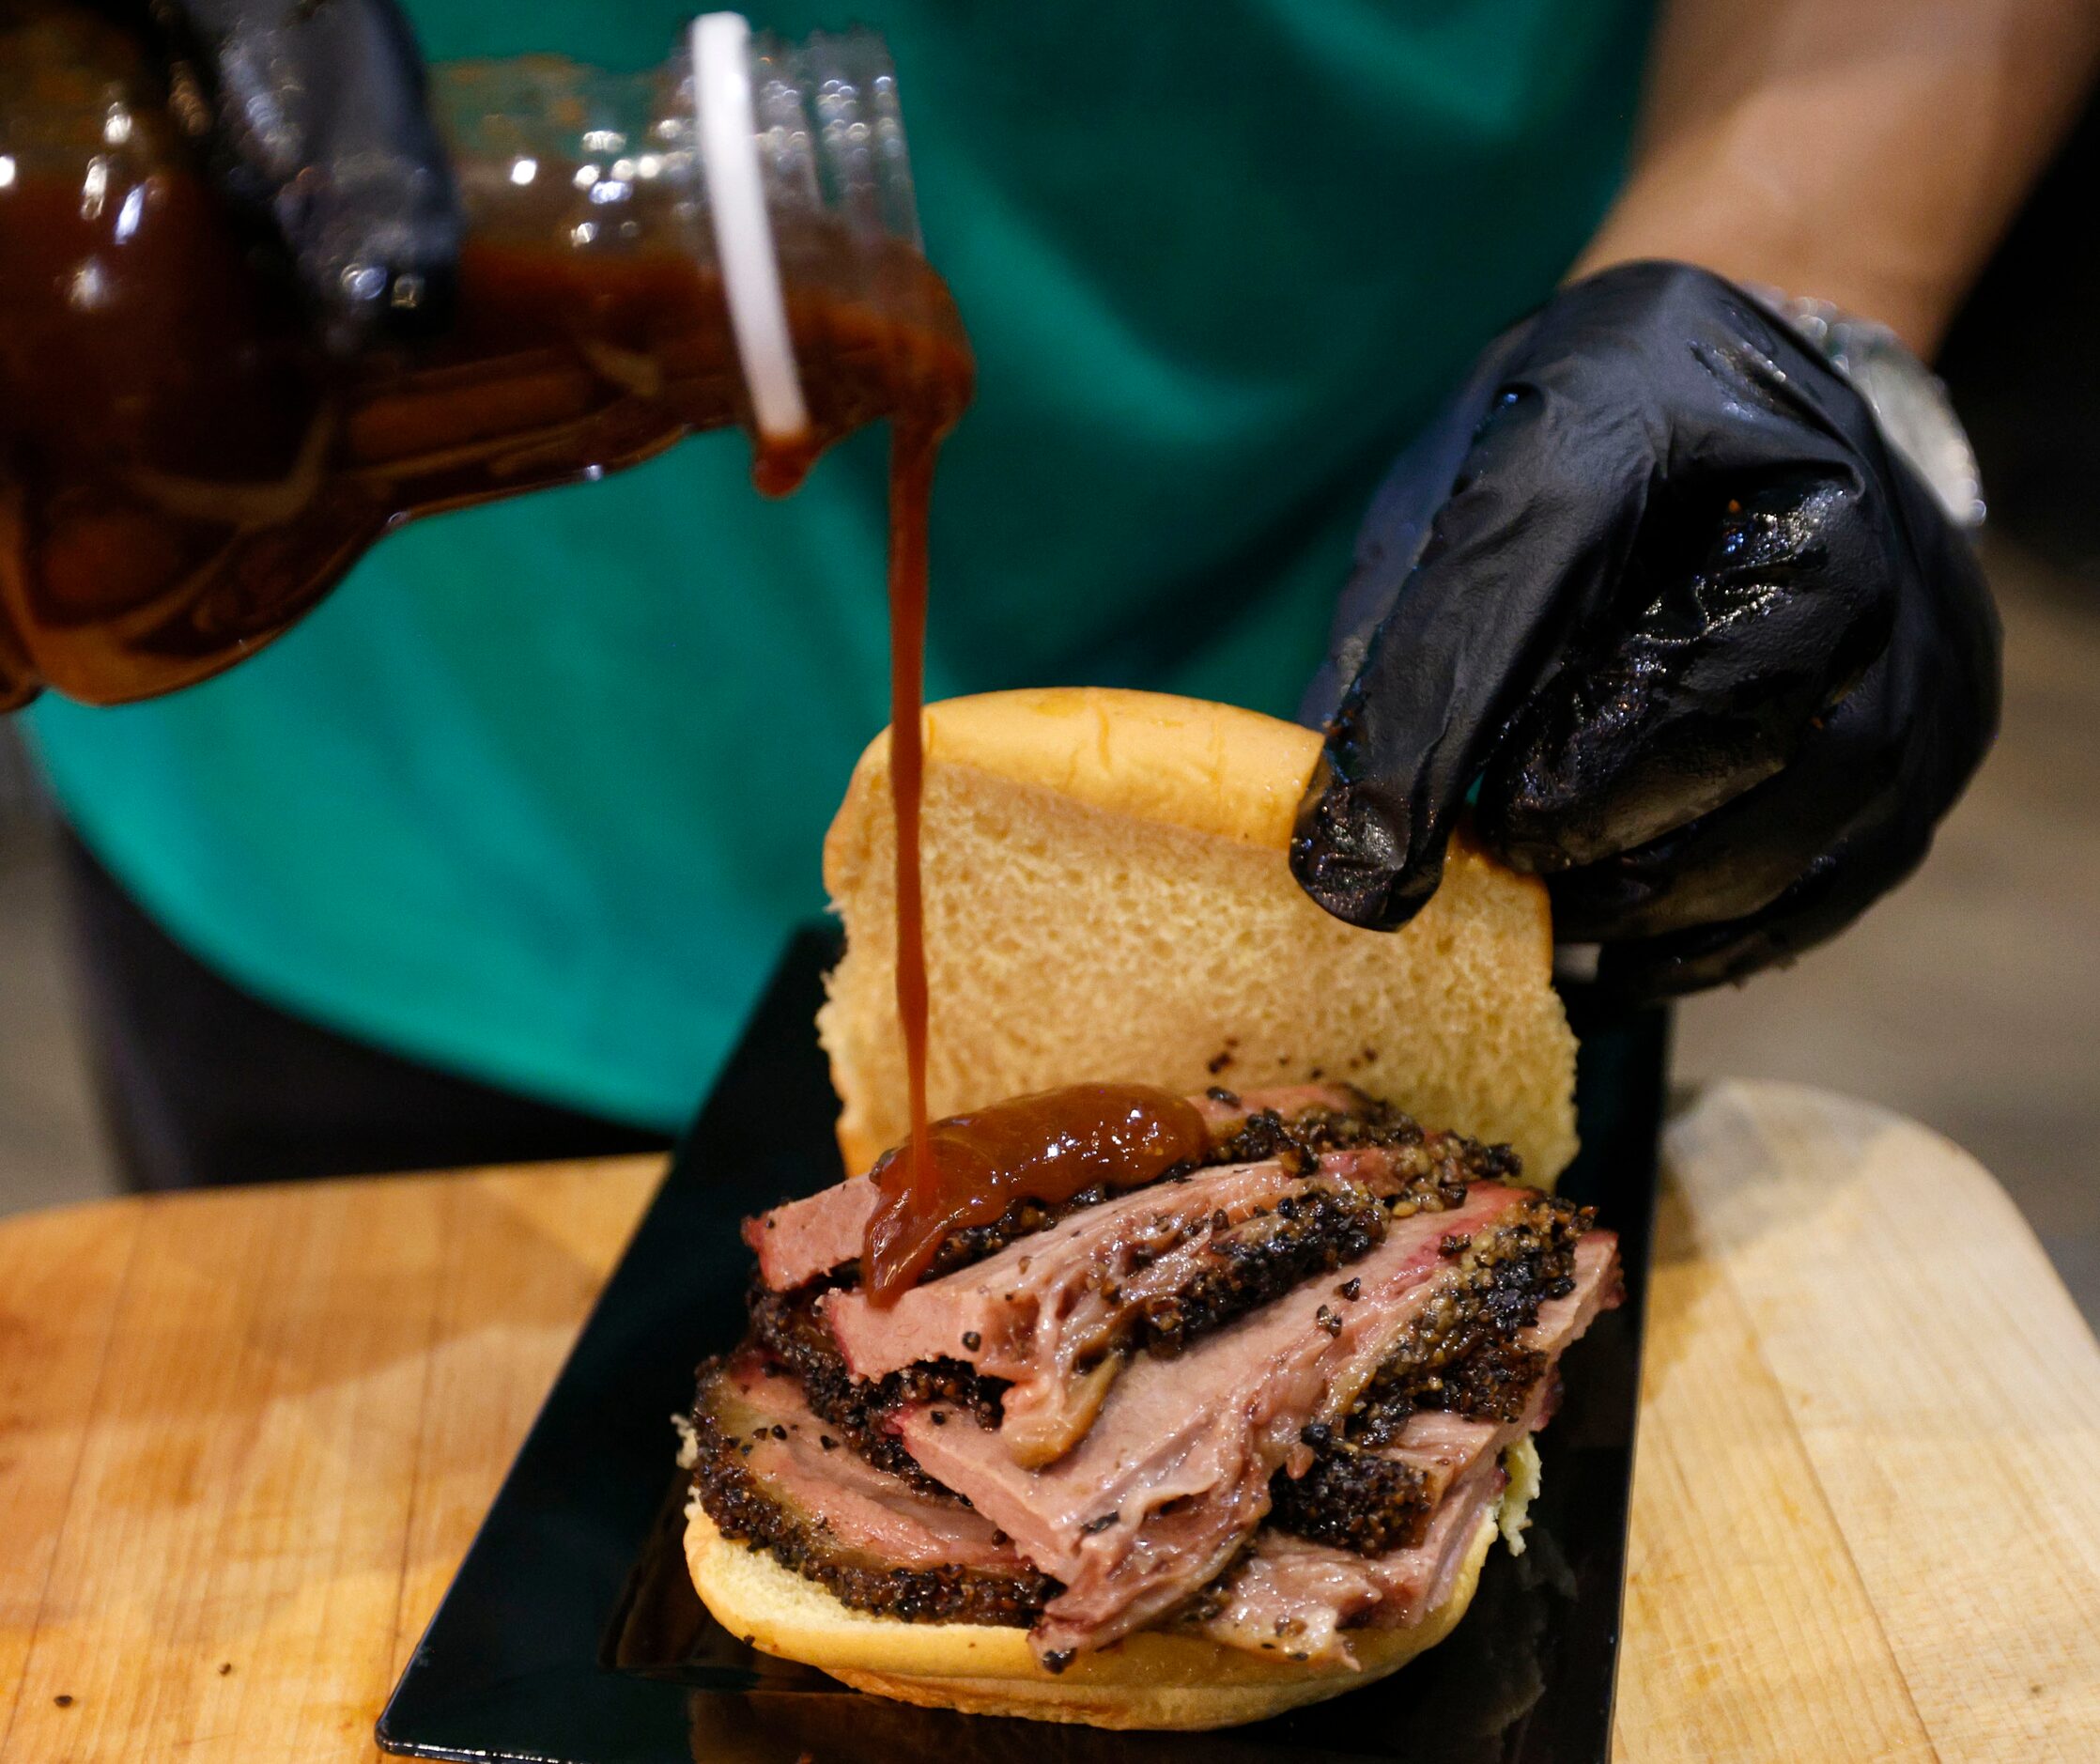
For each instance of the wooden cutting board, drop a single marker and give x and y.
(246, 1435)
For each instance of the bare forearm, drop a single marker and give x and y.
(1868, 152)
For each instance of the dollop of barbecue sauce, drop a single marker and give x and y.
(1047, 1147)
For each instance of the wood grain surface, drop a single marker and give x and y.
(245, 1436)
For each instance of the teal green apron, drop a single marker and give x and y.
(539, 791)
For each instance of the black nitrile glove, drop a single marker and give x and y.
(1716, 657)
(315, 117)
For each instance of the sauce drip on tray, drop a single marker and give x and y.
(1047, 1147)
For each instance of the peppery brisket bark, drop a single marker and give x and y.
(1370, 1499)
(768, 1472)
(1366, 1501)
(1498, 1280)
(790, 1329)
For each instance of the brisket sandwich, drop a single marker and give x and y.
(1206, 1383)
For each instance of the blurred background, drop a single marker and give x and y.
(1969, 1000)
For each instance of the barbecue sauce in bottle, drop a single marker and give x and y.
(184, 469)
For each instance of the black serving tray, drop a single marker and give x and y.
(571, 1635)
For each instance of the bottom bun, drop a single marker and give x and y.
(1150, 1680)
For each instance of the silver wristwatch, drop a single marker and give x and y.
(1907, 398)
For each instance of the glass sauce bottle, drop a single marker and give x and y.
(184, 469)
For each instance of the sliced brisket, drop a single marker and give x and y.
(769, 1472)
(1173, 1477)
(1498, 1280)
(1294, 1597)
(1370, 1499)
(1598, 1286)
(790, 1328)
(800, 1241)
(1373, 1500)
(1154, 1269)
(1264, 1397)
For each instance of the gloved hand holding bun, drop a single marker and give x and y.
(1655, 587)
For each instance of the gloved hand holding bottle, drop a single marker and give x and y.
(314, 119)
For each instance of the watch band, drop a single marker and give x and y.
(1908, 398)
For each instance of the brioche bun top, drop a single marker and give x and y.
(1107, 897)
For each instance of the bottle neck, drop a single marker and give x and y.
(554, 157)
(547, 150)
